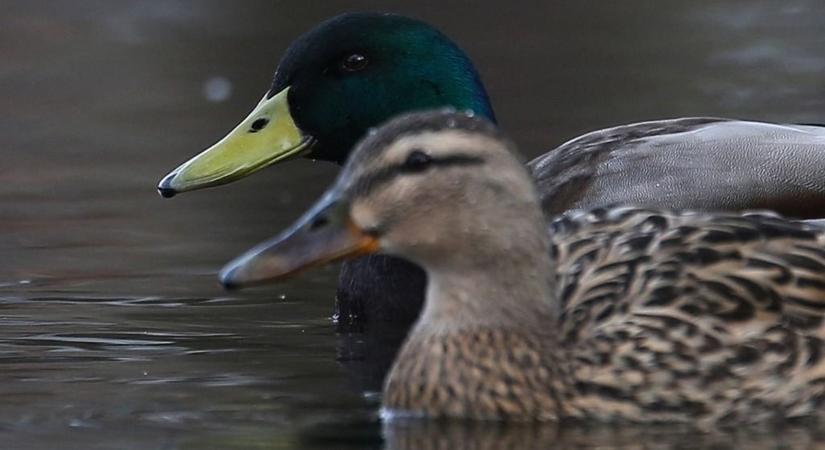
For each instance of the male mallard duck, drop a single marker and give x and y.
(356, 71)
(616, 313)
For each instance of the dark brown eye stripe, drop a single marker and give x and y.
(373, 180)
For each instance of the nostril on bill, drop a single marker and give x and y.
(258, 125)
(318, 223)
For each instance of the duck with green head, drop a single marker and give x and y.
(355, 71)
(614, 313)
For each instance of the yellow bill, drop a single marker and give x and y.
(266, 136)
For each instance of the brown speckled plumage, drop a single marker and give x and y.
(690, 316)
(616, 313)
(664, 317)
(652, 316)
(466, 375)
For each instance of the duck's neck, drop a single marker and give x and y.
(494, 280)
(485, 345)
(497, 293)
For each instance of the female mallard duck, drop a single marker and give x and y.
(356, 71)
(616, 313)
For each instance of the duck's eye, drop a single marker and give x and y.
(354, 62)
(417, 161)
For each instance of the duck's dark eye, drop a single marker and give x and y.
(417, 161)
(354, 62)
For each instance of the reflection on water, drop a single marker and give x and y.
(432, 436)
(113, 331)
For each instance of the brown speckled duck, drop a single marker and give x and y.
(616, 313)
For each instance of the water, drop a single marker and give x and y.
(113, 331)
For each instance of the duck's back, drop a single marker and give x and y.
(690, 163)
(690, 316)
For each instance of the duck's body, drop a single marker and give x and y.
(617, 313)
(691, 316)
(664, 317)
(365, 284)
(356, 71)
(708, 164)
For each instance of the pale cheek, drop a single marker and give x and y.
(363, 216)
(412, 239)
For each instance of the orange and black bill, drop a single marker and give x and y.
(324, 234)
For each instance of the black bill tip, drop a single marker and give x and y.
(164, 187)
(167, 192)
(227, 280)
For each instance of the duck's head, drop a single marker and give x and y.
(442, 189)
(344, 76)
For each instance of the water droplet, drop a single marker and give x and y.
(371, 395)
(217, 89)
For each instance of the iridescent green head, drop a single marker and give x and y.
(345, 76)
